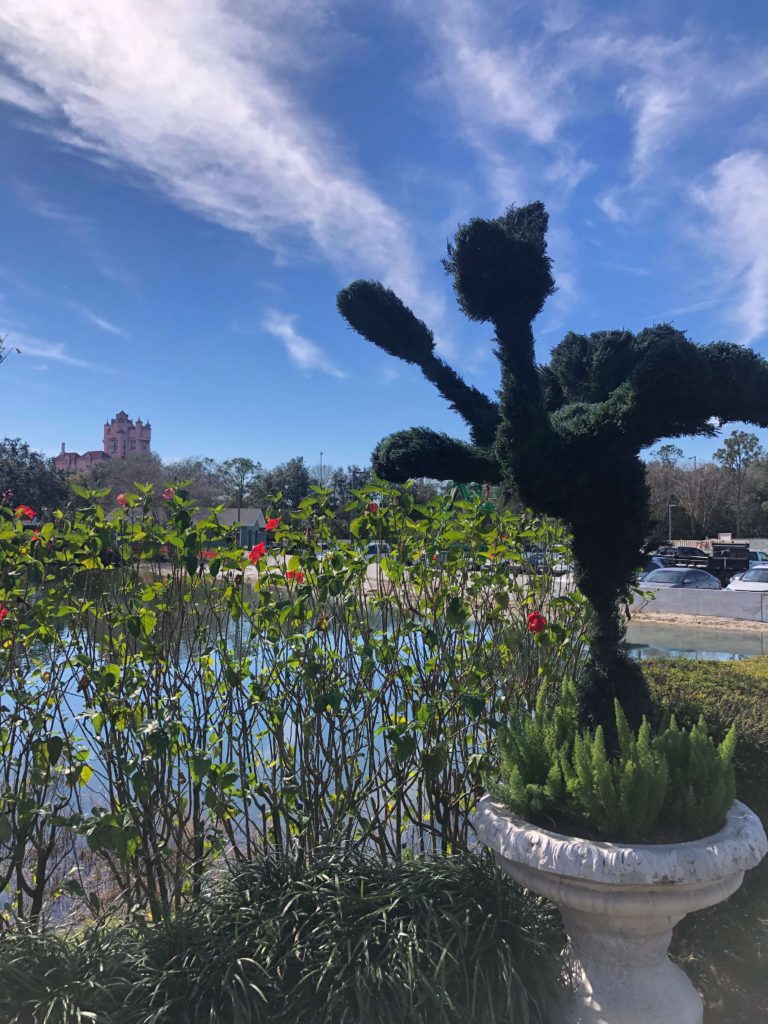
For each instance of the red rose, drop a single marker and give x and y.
(272, 524)
(257, 552)
(536, 622)
(373, 506)
(121, 500)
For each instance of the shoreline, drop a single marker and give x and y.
(707, 621)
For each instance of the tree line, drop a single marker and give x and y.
(31, 478)
(728, 494)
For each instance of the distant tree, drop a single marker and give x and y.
(668, 455)
(122, 474)
(738, 453)
(291, 478)
(30, 478)
(703, 494)
(240, 477)
(205, 479)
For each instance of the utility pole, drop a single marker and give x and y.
(321, 469)
(669, 513)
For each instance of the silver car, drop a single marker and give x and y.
(693, 579)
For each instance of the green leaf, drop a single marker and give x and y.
(6, 828)
(54, 746)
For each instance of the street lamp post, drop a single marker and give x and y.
(669, 513)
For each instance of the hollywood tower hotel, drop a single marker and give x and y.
(122, 437)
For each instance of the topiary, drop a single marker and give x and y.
(566, 436)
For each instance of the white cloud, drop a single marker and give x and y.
(98, 321)
(736, 204)
(305, 353)
(53, 350)
(20, 95)
(190, 93)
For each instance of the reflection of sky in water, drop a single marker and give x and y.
(703, 643)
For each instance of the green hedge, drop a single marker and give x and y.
(726, 693)
(725, 949)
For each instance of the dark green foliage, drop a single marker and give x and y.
(30, 477)
(399, 456)
(500, 267)
(673, 786)
(345, 939)
(566, 437)
(725, 949)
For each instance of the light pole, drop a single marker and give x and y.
(669, 513)
(321, 469)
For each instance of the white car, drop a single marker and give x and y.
(755, 578)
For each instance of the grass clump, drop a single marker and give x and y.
(341, 940)
(673, 785)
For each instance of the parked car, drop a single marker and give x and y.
(758, 556)
(755, 578)
(377, 549)
(693, 579)
(655, 562)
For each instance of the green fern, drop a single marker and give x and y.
(671, 786)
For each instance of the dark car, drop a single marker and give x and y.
(655, 562)
(693, 579)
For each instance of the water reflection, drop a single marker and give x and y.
(702, 643)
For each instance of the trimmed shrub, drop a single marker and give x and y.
(725, 949)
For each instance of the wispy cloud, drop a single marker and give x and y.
(735, 200)
(98, 321)
(56, 351)
(197, 98)
(305, 353)
(20, 95)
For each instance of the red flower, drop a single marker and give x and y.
(257, 552)
(168, 493)
(35, 534)
(536, 622)
(25, 511)
(295, 574)
(272, 524)
(208, 553)
(3, 612)
(373, 506)
(121, 500)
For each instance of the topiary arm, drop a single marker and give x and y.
(379, 315)
(421, 452)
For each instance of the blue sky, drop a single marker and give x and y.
(186, 185)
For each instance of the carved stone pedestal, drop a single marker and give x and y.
(619, 905)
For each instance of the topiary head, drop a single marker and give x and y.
(500, 267)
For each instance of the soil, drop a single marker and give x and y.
(712, 621)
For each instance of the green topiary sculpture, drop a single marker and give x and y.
(568, 434)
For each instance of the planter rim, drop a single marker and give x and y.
(741, 844)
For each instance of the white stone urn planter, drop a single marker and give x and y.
(620, 903)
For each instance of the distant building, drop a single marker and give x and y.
(251, 525)
(72, 462)
(122, 437)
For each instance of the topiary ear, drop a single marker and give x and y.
(500, 267)
(380, 316)
(422, 452)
